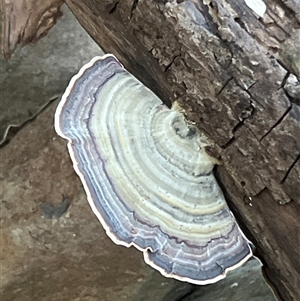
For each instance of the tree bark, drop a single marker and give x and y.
(235, 73)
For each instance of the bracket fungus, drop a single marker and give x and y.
(147, 176)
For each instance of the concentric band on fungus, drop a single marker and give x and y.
(146, 175)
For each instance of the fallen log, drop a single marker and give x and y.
(230, 69)
(235, 70)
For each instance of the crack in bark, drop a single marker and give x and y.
(247, 90)
(290, 169)
(171, 63)
(274, 24)
(276, 123)
(233, 139)
(224, 86)
(225, 67)
(114, 8)
(239, 21)
(253, 100)
(284, 81)
(133, 8)
(239, 125)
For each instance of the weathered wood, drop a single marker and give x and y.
(235, 73)
(26, 21)
(229, 68)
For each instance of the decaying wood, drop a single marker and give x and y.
(27, 21)
(237, 76)
(228, 67)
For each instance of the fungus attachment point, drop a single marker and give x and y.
(146, 175)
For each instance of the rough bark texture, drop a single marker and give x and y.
(236, 74)
(232, 71)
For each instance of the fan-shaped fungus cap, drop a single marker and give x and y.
(146, 175)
